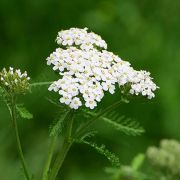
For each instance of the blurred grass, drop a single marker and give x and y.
(147, 33)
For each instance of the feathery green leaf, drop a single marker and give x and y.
(126, 126)
(23, 112)
(57, 127)
(120, 123)
(88, 135)
(103, 151)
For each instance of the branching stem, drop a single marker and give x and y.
(90, 122)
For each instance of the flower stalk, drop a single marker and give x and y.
(14, 121)
(14, 83)
(48, 173)
(49, 159)
(60, 159)
(67, 143)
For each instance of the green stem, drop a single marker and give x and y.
(69, 129)
(67, 143)
(60, 159)
(14, 120)
(40, 84)
(89, 123)
(50, 155)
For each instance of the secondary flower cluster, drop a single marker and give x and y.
(87, 70)
(13, 81)
(166, 157)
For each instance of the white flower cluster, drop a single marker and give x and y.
(166, 157)
(80, 37)
(87, 70)
(13, 81)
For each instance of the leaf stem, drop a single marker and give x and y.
(14, 120)
(67, 143)
(40, 83)
(90, 122)
(60, 158)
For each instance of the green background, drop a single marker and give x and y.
(144, 32)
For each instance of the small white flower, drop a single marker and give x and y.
(75, 103)
(53, 87)
(90, 103)
(66, 100)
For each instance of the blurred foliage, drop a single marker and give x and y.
(147, 33)
(166, 158)
(156, 164)
(131, 172)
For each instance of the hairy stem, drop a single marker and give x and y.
(60, 159)
(67, 143)
(46, 171)
(14, 120)
(49, 159)
(40, 84)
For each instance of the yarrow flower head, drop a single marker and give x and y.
(167, 156)
(13, 81)
(87, 70)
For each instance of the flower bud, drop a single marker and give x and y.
(13, 81)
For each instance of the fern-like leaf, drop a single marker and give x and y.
(57, 127)
(126, 126)
(23, 112)
(88, 135)
(113, 159)
(120, 123)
